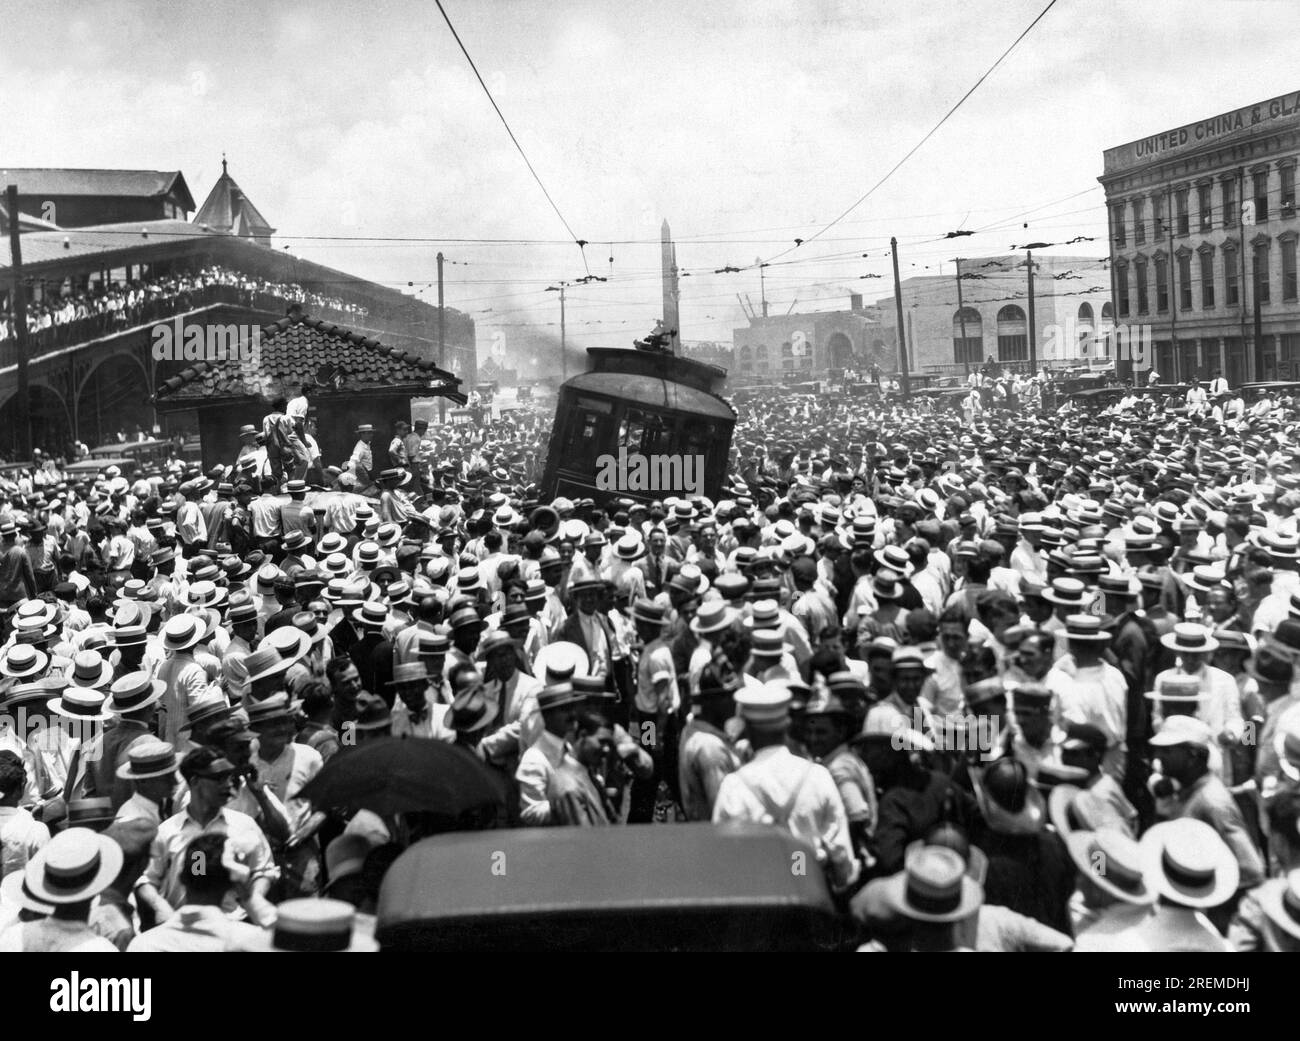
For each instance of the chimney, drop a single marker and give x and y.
(855, 301)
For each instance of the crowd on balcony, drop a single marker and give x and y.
(120, 305)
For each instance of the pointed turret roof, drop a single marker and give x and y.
(227, 209)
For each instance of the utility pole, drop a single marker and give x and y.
(1171, 289)
(560, 287)
(442, 345)
(18, 298)
(1033, 324)
(905, 379)
(762, 285)
(961, 318)
(1247, 357)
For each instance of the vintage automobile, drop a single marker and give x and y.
(87, 469)
(694, 887)
(1251, 391)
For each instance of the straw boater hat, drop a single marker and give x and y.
(712, 617)
(91, 671)
(206, 594)
(557, 695)
(1185, 860)
(765, 706)
(934, 887)
(271, 710)
(1280, 900)
(1286, 742)
(629, 548)
(317, 924)
(560, 661)
(148, 758)
(1190, 638)
(1112, 862)
(895, 558)
(81, 704)
(1178, 690)
(649, 612)
(134, 691)
(22, 660)
(208, 707)
(181, 632)
(73, 866)
(265, 662)
(1066, 592)
(371, 615)
(1085, 627)
(290, 643)
(95, 814)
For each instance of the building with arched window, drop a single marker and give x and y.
(992, 321)
(1203, 239)
(967, 336)
(814, 345)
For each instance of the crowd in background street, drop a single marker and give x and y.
(1021, 680)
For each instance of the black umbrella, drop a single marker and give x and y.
(392, 775)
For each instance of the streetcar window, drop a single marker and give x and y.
(641, 432)
(583, 431)
(695, 437)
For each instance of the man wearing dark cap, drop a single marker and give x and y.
(814, 607)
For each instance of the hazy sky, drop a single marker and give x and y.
(747, 124)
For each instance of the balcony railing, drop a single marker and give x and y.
(113, 323)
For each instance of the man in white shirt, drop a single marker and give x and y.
(779, 788)
(1090, 690)
(21, 834)
(207, 876)
(558, 705)
(211, 779)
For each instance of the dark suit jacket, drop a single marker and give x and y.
(571, 631)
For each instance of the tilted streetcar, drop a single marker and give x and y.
(644, 424)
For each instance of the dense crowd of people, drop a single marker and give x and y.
(122, 304)
(1021, 680)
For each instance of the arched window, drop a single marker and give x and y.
(787, 355)
(839, 349)
(1106, 329)
(967, 336)
(1086, 334)
(760, 358)
(1013, 334)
